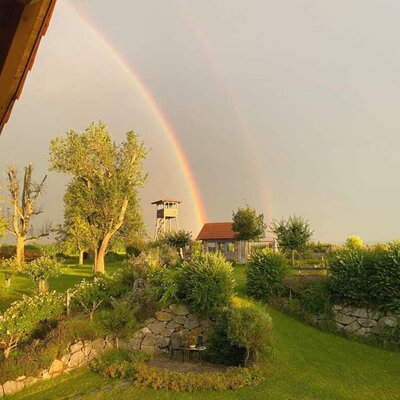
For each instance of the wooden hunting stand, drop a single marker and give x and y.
(166, 216)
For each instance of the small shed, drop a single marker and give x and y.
(220, 237)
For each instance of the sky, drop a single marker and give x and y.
(289, 106)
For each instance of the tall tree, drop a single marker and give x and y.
(23, 209)
(105, 179)
(292, 234)
(247, 225)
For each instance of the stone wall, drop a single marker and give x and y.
(176, 321)
(77, 354)
(363, 321)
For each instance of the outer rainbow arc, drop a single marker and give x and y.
(201, 214)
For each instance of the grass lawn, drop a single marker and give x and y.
(71, 275)
(308, 364)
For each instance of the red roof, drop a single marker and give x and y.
(216, 230)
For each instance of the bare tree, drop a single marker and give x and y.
(23, 209)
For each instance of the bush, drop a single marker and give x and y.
(119, 321)
(163, 286)
(265, 273)
(119, 364)
(206, 283)
(250, 327)
(112, 256)
(231, 379)
(133, 250)
(24, 316)
(78, 329)
(220, 350)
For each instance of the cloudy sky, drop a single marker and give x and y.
(290, 106)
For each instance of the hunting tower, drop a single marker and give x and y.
(166, 216)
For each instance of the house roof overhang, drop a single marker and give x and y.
(22, 25)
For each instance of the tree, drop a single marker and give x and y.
(41, 269)
(75, 233)
(247, 225)
(105, 180)
(24, 209)
(292, 234)
(178, 240)
(354, 242)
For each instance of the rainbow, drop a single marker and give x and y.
(201, 215)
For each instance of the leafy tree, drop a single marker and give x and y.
(75, 233)
(247, 224)
(292, 234)
(179, 240)
(105, 180)
(41, 270)
(23, 209)
(354, 242)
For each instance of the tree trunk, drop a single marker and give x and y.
(20, 254)
(246, 360)
(292, 258)
(43, 286)
(7, 352)
(7, 280)
(101, 252)
(80, 262)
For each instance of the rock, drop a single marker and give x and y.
(367, 322)
(163, 316)
(76, 359)
(344, 319)
(20, 378)
(198, 331)
(138, 335)
(57, 366)
(181, 335)
(150, 349)
(157, 327)
(98, 344)
(374, 314)
(172, 325)
(93, 354)
(339, 326)
(76, 347)
(181, 319)
(11, 387)
(149, 340)
(205, 322)
(108, 344)
(179, 309)
(30, 380)
(135, 344)
(354, 326)
(191, 323)
(65, 358)
(1, 391)
(46, 375)
(336, 307)
(364, 331)
(390, 321)
(146, 330)
(162, 342)
(347, 310)
(360, 312)
(149, 321)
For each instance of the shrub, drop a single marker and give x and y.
(23, 316)
(206, 283)
(250, 327)
(89, 296)
(112, 256)
(163, 286)
(9, 266)
(119, 321)
(231, 379)
(220, 350)
(118, 363)
(78, 329)
(41, 269)
(353, 243)
(265, 274)
(132, 250)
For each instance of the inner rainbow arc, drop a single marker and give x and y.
(201, 215)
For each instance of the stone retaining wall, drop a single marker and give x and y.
(176, 321)
(360, 321)
(78, 354)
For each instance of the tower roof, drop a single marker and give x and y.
(166, 200)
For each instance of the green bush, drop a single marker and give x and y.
(206, 283)
(220, 350)
(265, 273)
(163, 285)
(250, 327)
(364, 277)
(78, 329)
(117, 363)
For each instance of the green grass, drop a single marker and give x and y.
(307, 364)
(71, 275)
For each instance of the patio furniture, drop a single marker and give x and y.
(176, 345)
(199, 350)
